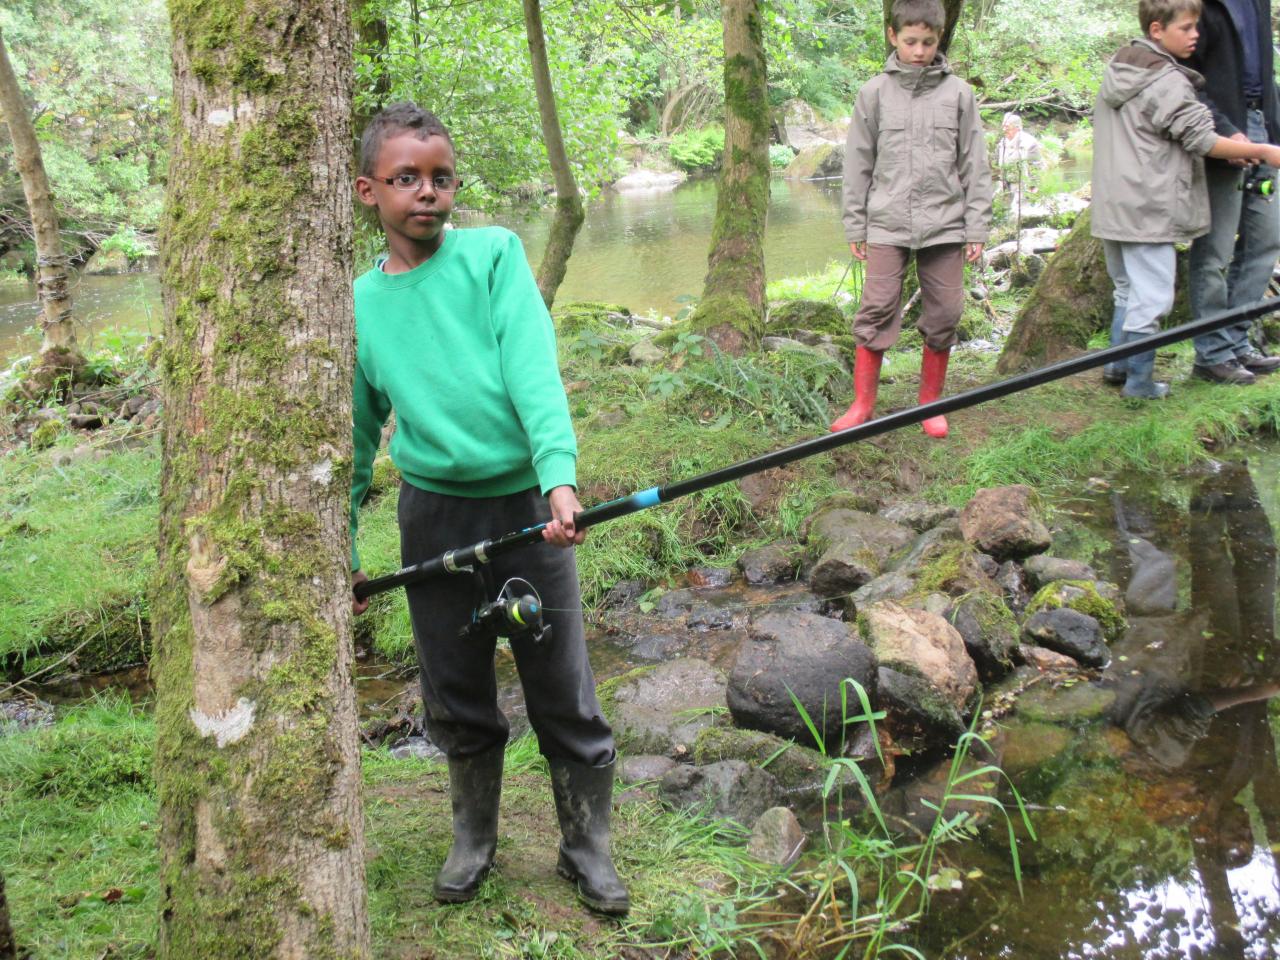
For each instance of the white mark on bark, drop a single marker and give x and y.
(230, 726)
(322, 472)
(225, 115)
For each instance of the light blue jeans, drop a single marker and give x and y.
(1143, 274)
(1231, 265)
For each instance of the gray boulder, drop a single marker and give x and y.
(728, 790)
(776, 837)
(917, 515)
(644, 768)
(663, 709)
(1067, 631)
(852, 548)
(917, 716)
(989, 631)
(887, 586)
(802, 654)
(772, 563)
(1004, 522)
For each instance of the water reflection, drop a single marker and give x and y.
(1157, 790)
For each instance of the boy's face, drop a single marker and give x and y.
(413, 219)
(1179, 36)
(917, 44)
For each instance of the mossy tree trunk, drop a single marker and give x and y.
(952, 8)
(731, 310)
(569, 211)
(257, 760)
(1070, 301)
(8, 949)
(372, 41)
(58, 350)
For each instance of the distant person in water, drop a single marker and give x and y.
(1015, 152)
(916, 181)
(1151, 134)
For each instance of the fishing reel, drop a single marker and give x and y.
(1263, 184)
(509, 616)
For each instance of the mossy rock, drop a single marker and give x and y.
(814, 316)
(1081, 596)
(47, 433)
(797, 769)
(823, 160)
(576, 316)
(385, 477)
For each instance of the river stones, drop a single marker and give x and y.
(662, 710)
(1044, 569)
(989, 631)
(1004, 522)
(772, 563)
(1067, 631)
(917, 515)
(776, 837)
(852, 548)
(728, 789)
(921, 643)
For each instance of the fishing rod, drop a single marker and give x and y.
(466, 559)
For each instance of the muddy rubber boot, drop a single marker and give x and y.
(866, 381)
(1116, 372)
(933, 373)
(1139, 384)
(475, 786)
(584, 799)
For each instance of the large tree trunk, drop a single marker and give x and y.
(952, 8)
(257, 760)
(58, 346)
(1070, 301)
(732, 306)
(8, 950)
(569, 212)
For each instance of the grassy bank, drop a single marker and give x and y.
(76, 532)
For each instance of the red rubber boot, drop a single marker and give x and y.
(866, 381)
(933, 371)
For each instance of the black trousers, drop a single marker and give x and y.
(459, 688)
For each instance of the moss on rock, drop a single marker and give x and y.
(1081, 596)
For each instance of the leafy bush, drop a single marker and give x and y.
(697, 150)
(780, 154)
(130, 242)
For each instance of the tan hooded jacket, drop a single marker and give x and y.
(915, 164)
(1150, 137)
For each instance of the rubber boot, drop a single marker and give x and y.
(584, 798)
(1117, 371)
(475, 786)
(933, 372)
(866, 381)
(1139, 383)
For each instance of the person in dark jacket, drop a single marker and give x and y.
(1232, 264)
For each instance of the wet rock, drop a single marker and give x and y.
(1004, 522)
(799, 770)
(704, 616)
(644, 769)
(929, 547)
(728, 789)
(917, 515)
(1044, 569)
(1064, 630)
(918, 717)
(1044, 659)
(660, 647)
(772, 563)
(415, 748)
(661, 710)
(844, 500)
(1096, 599)
(675, 603)
(645, 354)
(1013, 584)
(887, 586)
(923, 644)
(852, 548)
(21, 714)
(821, 161)
(1028, 744)
(990, 633)
(776, 837)
(1153, 583)
(623, 593)
(1068, 706)
(798, 654)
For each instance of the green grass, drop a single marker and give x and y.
(78, 848)
(76, 550)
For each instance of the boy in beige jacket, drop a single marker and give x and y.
(1150, 136)
(915, 180)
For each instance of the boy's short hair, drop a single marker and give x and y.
(393, 120)
(1164, 12)
(910, 13)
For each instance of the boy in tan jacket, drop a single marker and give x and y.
(915, 180)
(1150, 136)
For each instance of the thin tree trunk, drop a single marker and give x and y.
(372, 38)
(8, 949)
(58, 343)
(257, 761)
(732, 306)
(569, 211)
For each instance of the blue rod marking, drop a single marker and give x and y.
(646, 498)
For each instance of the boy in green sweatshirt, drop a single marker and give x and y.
(452, 335)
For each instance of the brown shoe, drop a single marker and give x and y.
(1229, 371)
(1257, 362)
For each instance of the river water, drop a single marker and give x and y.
(646, 250)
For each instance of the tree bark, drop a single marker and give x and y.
(1067, 305)
(373, 39)
(8, 949)
(569, 212)
(257, 761)
(732, 306)
(58, 344)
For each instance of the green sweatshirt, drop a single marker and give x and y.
(464, 351)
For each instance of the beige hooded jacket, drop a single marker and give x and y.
(915, 164)
(1150, 137)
